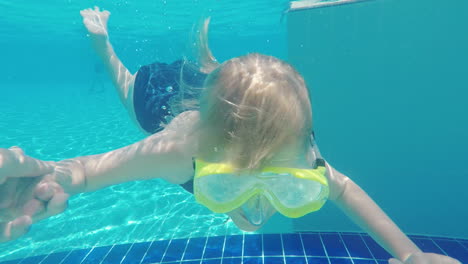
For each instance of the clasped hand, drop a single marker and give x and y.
(426, 258)
(32, 189)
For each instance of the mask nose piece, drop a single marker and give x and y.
(255, 210)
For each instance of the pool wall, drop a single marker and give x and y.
(388, 86)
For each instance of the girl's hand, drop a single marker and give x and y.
(426, 258)
(32, 190)
(95, 21)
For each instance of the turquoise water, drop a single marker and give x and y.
(56, 103)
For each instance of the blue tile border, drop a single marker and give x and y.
(135, 252)
(75, 256)
(194, 249)
(356, 246)
(294, 248)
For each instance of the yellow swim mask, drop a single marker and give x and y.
(292, 192)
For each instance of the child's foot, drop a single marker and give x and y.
(95, 21)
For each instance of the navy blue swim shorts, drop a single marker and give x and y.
(157, 87)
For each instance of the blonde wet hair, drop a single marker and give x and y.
(251, 108)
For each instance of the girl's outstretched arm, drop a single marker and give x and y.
(358, 206)
(166, 155)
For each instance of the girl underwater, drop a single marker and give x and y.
(241, 144)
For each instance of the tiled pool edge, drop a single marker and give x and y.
(304, 247)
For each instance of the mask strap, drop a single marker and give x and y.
(319, 161)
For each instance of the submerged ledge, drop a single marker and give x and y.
(312, 4)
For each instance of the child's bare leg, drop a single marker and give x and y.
(95, 22)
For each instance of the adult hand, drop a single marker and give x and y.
(13, 163)
(426, 258)
(32, 190)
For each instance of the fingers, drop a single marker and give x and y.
(33, 167)
(44, 191)
(96, 9)
(53, 199)
(27, 200)
(428, 258)
(33, 207)
(17, 150)
(7, 191)
(14, 229)
(57, 204)
(20, 226)
(13, 163)
(394, 261)
(7, 163)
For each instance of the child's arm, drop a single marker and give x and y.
(358, 206)
(162, 155)
(166, 155)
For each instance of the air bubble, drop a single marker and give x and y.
(169, 89)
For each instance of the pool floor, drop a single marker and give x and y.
(310, 248)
